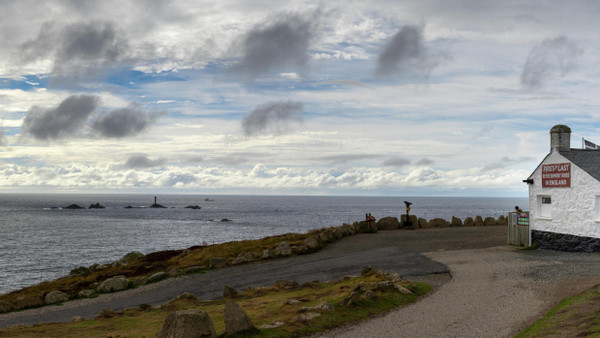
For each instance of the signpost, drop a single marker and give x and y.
(556, 175)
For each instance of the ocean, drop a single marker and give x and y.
(40, 240)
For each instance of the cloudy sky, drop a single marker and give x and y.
(403, 98)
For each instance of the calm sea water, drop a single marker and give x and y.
(40, 241)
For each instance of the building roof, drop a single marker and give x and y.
(586, 159)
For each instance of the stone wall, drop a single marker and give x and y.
(564, 242)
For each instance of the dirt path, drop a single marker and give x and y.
(494, 292)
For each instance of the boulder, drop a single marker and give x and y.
(54, 297)
(28, 301)
(286, 284)
(218, 262)
(423, 223)
(388, 223)
(85, 293)
(311, 243)
(174, 272)
(229, 292)
(299, 249)
(242, 258)
(6, 307)
(305, 317)
(187, 323)
(131, 257)
(469, 222)
(338, 232)
(186, 296)
(357, 228)
(456, 222)
(349, 229)
(236, 320)
(113, 284)
(489, 221)
(157, 277)
(193, 269)
(353, 299)
(478, 221)
(267, 254)
(501, 220)
(439, 223)
(283, 249)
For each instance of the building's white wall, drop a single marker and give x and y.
(574, 209)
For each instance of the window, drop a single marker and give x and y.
(545, 206)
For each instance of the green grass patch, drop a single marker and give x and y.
(576, 316)
(263, 306)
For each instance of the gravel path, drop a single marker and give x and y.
(494, 292)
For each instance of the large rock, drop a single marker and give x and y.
(131, 257)
(478, 221)
(54, 297)
(283, 249)
(388, 223)
(218, 262)
(469, 222)
(113, 284)
(229, 292)
(28, 301)
(156, 277)
(423, 223)
(242, 258)
(349, 229)
(489, 221)
(6, 307)
(187, 323)
(236, 320)
(456, 222)
(311, 243)
(338, 232)
(501, 220)
(439, 223)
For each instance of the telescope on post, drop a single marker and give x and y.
(407, 223)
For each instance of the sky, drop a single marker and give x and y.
(365, 98)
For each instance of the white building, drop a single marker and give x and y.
(564, 197)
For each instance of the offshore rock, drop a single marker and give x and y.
(73, 206)
(96, 206)
(187, 323)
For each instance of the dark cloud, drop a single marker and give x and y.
(405, 52)
(505, 162)
(77, 49)
(141, 161)
(280, 42)
(425, 161)
(548, 59)
(396, 162)
(273, 118)
(63, 121)
(124, 122)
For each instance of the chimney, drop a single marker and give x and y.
(560, 138)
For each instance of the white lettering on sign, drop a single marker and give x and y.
(556, 175)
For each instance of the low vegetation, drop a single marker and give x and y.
(280, 304)
(576, 316)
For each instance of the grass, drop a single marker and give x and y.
(577, 316)
(263, 306)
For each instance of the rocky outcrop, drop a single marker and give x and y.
(353, 299)
(187, 323)
(96, 206)
(113, 284)
(73, 206)
(236, 320)
(28, 301)
(54, 297)
(194, 207)
(229, 292)
(311, 243)
(388, 223)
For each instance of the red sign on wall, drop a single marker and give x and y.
(556, 175)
